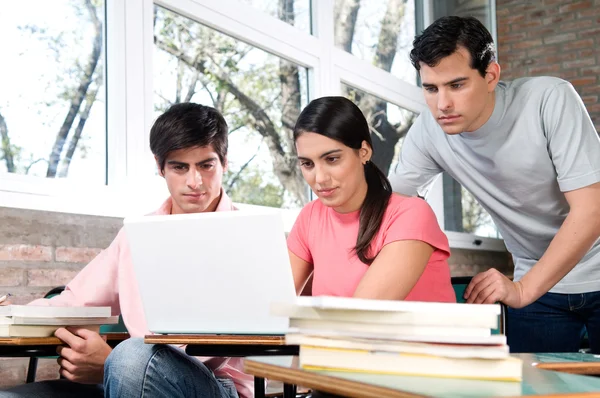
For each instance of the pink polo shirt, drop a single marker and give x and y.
(109, 280)
(326, 239)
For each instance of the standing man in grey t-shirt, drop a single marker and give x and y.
(529, 153)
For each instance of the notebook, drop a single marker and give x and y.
(212, 273)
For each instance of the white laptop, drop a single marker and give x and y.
(212, 273)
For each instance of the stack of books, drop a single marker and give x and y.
(38, 321)
(399, 337)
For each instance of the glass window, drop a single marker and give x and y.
(52, 96)
(259, 94)
(462, 212)
(293, 12)
(379, 32)
(479, 9)
(389, 124)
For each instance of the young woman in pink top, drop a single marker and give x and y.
(359, 239)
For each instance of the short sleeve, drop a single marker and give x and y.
(415, 169)
(413, 219)
(573, 142)
(297, 240)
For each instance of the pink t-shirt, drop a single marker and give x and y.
(326, 239)
(109, 280)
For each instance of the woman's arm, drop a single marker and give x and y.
(395, 270)
(301, 270)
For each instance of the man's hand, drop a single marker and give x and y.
(83, 360)
(492, 286)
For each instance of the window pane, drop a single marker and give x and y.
(462, 213)
(52, 99)
(379, 32)
(259, 94)
(293, 12)
(389, 124)
(479, 9)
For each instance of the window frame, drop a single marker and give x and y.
(129, 92)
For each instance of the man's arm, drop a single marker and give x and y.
(573, 240)
(415, 169)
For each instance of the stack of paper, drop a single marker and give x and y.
(399, 337)
(41, 321)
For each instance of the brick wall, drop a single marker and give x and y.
(555, 38)
(39, 251)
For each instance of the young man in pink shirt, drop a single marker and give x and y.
(189, 142)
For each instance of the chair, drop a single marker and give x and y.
(460, 283)
(33, 361)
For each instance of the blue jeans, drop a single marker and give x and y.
(135, 369)
(555, 323)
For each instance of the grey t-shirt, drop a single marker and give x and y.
(538, 143)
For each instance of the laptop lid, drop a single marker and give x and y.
(213, 272)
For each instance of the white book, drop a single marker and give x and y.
(487, 320)
(35, 330)
(485, 340)
(54, 312)
(383, 329)
(445, 350)
(72, 321)
(508, 369)
(350, 303)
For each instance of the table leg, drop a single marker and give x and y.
(259, 387)
(289, 390)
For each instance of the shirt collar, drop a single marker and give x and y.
(225, 204)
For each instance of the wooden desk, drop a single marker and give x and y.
(536, 382)
(43, 346)
(571, 362)
(34, 347)
(227, 345)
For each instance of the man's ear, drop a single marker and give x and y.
(225, 165)
(492, 75)
(365, 152)
(160, 170)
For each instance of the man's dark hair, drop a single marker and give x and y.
(443, 37)
(188, 125)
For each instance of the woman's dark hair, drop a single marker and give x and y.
(443, 37)
(339, 119)
(188, 125)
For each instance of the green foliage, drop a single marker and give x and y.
(252, 189)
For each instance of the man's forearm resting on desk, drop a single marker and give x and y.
(573, 240)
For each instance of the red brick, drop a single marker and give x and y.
(557, 58)
(577, 5)
(527, 44)
(544, 69)
(577, 44)
(12, 371)
(591, 71)
(578, 63)
(583, 81)
(592, 33)
(560, 38)
(558, 18)
(50, 277)
(578, 24)
(595, 89)
(590, 99)
(76, 254)
(11, 277)
(588, 52)
(545, 50)
(47, 370)
(512, 38)
(25, 253)
(568, 74)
